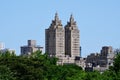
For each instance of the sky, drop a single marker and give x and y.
(97, 20)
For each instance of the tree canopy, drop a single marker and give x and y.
(38, 66)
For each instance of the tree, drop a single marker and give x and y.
(116, 64)
(6, 74)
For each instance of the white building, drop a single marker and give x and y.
(3, 49)
(7, 49)
(1, 45)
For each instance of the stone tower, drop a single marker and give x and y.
(72, 45)
(54, 37)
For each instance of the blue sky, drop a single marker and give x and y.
(97, 20)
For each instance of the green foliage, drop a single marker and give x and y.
(116, 64)
(39, 66)
(7, 54)
(6, 74)
(115, 69)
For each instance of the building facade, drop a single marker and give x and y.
(30, 48)
(101, 61)
(72, 45)
(54, 36)
(62, 41)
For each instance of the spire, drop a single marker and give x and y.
(71, 19)
(71, 24)
(56, 21)
(56, 17)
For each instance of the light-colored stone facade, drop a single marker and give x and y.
(54, 35)
(72, 45)
(30, 48)
(63, 43)
(60, 41)
(65, 59)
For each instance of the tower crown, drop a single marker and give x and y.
(56, 23)
(56, 17)
(71, 19)
(71, 24)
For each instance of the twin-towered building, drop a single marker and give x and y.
(64, 43)
(61, 40)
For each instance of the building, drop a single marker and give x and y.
(101, 61)
(30, 48)
(1, 45)
(108, 55)
(63, 43)
(54, 36)
(106, 50)
(80, 62)
(72, 45)
(4, 50)
(65, 59)
(7, 49)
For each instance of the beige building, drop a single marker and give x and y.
(62, 41)
(54, 37)
(72, 45)
(30, 48)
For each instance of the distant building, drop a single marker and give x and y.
(7, 49)
(101, 61)
(106, 50)
(72, 43)
(1, 45)
(80, 62)
(54, 36)
(30, 48)
(64, 43)
(80, 51)
(4, 50)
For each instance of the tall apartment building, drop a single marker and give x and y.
(72, 45)
(62, 41)
(55, 38)
(30, 48)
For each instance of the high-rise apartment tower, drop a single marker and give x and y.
(72, 45)
(55, 38)
(62, 41)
